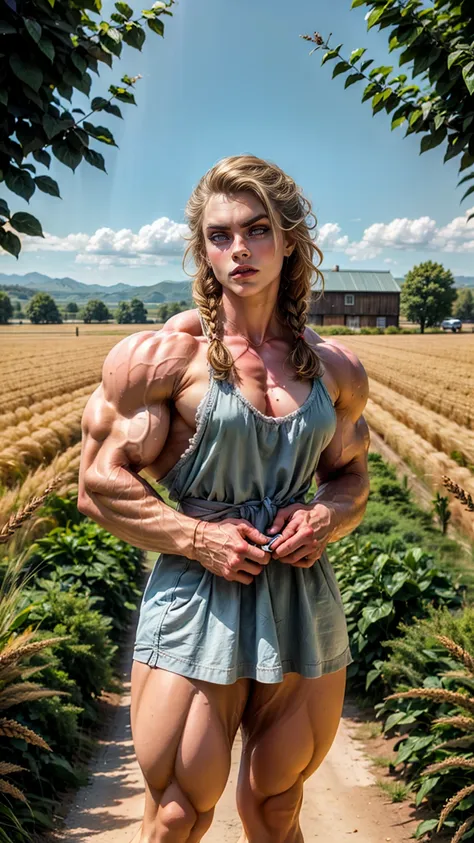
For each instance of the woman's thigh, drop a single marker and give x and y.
(183, 731)
(287, 730)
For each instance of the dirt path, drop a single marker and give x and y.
(341, 799)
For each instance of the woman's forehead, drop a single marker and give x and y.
(224, 208)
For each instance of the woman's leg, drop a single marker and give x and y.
(287, 730)
(183, 731)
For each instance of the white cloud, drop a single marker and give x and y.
(403, 234)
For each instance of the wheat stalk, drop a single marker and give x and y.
(7, 787)
(6, 768)
(458, 652)
(12, 729)
(14, 650)
(436, 694)
(449, 763)
(451, 803)
(462, 830)
(458, 721)
(458, 492)
(18, 518)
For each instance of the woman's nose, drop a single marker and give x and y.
(240, 246)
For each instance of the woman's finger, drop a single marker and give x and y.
(287, 533)
(250, 567)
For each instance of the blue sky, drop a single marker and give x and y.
(230, 77)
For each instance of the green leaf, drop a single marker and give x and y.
(51, 125)
(70, 157)
(10, 242)
(357, 54)
(46, 46)
(98, 103)
(341, 67)
(33, 28)
(4, 209)
(466, 178)
(111, 108)
(415, 116)
(354, 77)
(124, 10)
(372, 614)
(20, 182)
(42, 156)
(398, 122)
(27, 224)
(133, 35)
(100, 133)
(156, 25)
(28, 73)
(468, 75)
(393, 720)
(331, 54)
(356, 3)
(374, 17)
(366, 64)
(425, 788)
(95, 159)
(47, 185)
(6, 28)
(453, 57)
(432, 140)
(426, 825)
(467, 122)
(468, 193)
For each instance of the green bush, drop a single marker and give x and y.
(379, 590)
(416, 659)
(392, 329)
(105, 566)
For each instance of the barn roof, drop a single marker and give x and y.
(354, 281)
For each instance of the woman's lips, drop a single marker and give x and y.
(244, 273)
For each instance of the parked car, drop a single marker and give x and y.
(451, 324)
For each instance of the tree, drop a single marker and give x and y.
(123, 314)
(441, 509)
(42, 309)
(71, 308)
(138, 311)
(162, 313)
(48, 50)
(464, 305)
(6, 309)
(438, 43)
(427, 294)
(95, 310)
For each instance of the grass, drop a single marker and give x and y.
(397, 791)
(368, 731)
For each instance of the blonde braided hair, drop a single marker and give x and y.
(281, 197)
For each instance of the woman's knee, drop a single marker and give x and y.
(280, 812)
(179, 821)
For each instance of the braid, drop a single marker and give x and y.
(293, 306)
(208, 298)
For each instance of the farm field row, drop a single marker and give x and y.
(436, 371)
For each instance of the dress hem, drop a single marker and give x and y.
(218, 676)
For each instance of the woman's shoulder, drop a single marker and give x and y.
(187, 322)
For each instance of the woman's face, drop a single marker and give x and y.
(237, 231)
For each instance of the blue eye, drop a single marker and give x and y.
(262, 228)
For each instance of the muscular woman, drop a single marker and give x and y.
(234, 407)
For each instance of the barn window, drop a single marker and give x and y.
(349, 298)
(381, 322)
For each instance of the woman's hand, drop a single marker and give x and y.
(223, 549)
(305, 532)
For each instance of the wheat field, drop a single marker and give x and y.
(421, 402)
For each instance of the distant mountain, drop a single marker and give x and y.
(67, 289)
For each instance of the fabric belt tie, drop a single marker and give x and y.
(260, 513)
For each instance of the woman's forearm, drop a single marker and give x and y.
(128, 507)
(346, 497)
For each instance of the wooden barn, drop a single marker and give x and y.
(365, 299)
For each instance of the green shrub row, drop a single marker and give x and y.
(398, 597)
(82, 583)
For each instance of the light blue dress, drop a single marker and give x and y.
(243, 464)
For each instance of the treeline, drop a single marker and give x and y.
(42, 309)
